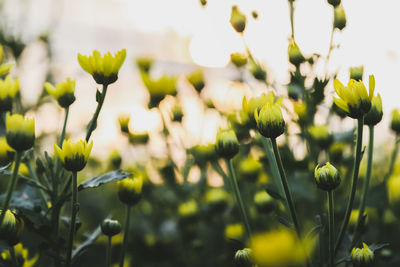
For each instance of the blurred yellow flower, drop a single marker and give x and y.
(63, 92)
(130, 189)
(8, 89)
(270, 122)
(159, 89)
(362, 257)
(6, 152)
(4, 67)
(257, 103)
(20, 132)
(234, 231)
(20, 253)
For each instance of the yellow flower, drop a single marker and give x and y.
(393, 187)
(138, 138)
(227, 144)
(159, 89)
(8, 90)
(280, 248)
(20, 132)
(104, 69)
(144, 63)
(11, 228)
(196, 79)
(217, 198)
(130, 189)
(63, 92)
(22, 256)
(238, 19)
(395, 122)
(188, 209)
(374, 115)
(250, 168)
(123, 121)
(320, 134)
(300, 108)
(4, 67)
(6, 152)
(73, 156)
(238, 59)
(234, 231)
(354, 99)
(362, 257)
(270, 122)
(264, 202)
(256, 104)
(203, 153)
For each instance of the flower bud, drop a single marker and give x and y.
(217, 198)
(243, 258)
(249, 168)
(238, 19)
(177, 113)
(20, 132)
(295, 55)
(227, 144)
(159, 89)
(362, 257)
(73, 156)
(8, 90)
(300, 108)
(234, 231)
(110, 227)
(202, 153)
(4, 67)
(264, 202)
(115, 159)
(374, 115)
(144, 63)
(327, 177)
(139, 138)
(11, 228)
(6, 152)
(270, 121)
(123, 121)
(63, 92)
(336, 151)
(196, 79)
(339, 18)
(188, 210)
(356, 73)
(130, 190)
(254, 14)
(258, 72)
(321, 135)
(238, 59)
(334, 3)
(256, 104)
(395, 123)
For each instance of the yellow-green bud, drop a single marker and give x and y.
(249, 168)
(374, 115)
(177, 113)
(139, 138)
(321, 135)
(63, 92)
(130, 190)
(188, 210)
(144, 63)
(300, 108)
(11, 228)
(238, 59)
(270, 121)
(227, 144)
(295, 55)
(243, 258)
(8, 90)
(327, 177)
(339, 18)
(234, 231)
(334, 3)
(393, 189)
(115, 159)
(395, 123)
(217, 198)
(254, 14)
(159, 89)
(362, 257)
(110, 227)
(196, 79)
(20, 132)
(203, 153)
(356, 73)
(6, 152)
(264, 202)
(258, 72)
(123, 121)
(203, 2)
(336, 151)
(238, 19)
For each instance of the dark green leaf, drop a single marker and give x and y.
(86, 244)
(273, 192)
(98, 96)
(284, 221)
(96, 181)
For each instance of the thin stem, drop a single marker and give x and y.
(365, 184)
(285, 185)
(64, 127)
(33, 174)
(126, 235)
(238, 198)
(331, 229)
(13, 256)
(227, 182)
(330, 47)
(108, 255)
(93, 122)
(291, 6)
(356, 168)
(11, 185)
(393, 158)
(74, 206)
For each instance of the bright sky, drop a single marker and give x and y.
(181, 32)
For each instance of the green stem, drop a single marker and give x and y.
(291, 6)
(13, 256)
(227, 182)
(108, 255)
(126, 234)
(74, 207)
(331, 230)
(93, 122)
(238, 197)
(285, 185)
(64, 127)
(365, 184)
(356, 168)
(32, 173)
(393, 159)
(11, 185)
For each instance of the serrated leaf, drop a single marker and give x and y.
(273, 192)
(109, 177)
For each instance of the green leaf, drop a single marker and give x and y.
(82, 247)
(99, 96)
(273, 192)
(109, 177)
